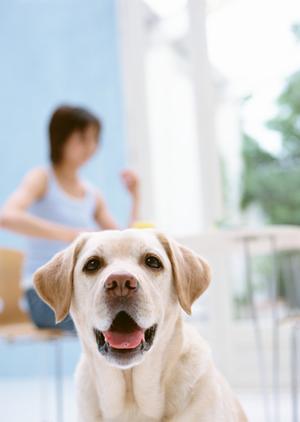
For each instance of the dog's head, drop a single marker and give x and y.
(121, 287)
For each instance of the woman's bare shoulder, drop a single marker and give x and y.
(38, 171)
(36, 179)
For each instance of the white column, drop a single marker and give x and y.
(204, 96)
(170, 123)
(132, 42)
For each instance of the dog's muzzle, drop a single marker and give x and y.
(125, 338)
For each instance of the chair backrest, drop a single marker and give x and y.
(10, 290)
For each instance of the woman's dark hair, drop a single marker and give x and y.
(64, 121)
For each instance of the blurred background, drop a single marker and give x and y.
(202, 100)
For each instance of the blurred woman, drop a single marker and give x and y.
(53, 205)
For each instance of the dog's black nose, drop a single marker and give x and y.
(121, 284)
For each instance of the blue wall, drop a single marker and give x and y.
(53, 52)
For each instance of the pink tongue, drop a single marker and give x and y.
(124, 340)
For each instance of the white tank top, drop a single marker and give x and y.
(59, 207)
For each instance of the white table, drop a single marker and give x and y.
(218, 246)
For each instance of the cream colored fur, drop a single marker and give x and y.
(176, 379)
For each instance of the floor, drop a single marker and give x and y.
(33, 400)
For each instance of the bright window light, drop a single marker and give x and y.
(165, 8)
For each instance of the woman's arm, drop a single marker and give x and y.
(14, 215)
(102, 215)
(104, 218)
(132, 184)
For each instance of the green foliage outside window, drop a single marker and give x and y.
(272, 182)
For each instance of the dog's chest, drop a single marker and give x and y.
(132, 414)
(130, 411)
(136, 403)
(130, 397)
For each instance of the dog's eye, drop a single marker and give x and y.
(153, 262)
(92, 265)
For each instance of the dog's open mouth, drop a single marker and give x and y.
(124, 336)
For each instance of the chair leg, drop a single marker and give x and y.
(273, 283)
(262, 368)
(44, 404)
(59, 381)
(294, 373)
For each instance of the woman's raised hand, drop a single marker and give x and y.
(131, 181)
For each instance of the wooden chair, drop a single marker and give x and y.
(15, 324)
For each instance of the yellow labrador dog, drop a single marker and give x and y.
(140, 362)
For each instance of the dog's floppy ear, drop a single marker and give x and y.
(191, 274)
(54, 280)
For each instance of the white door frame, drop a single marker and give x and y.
(133, 44)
